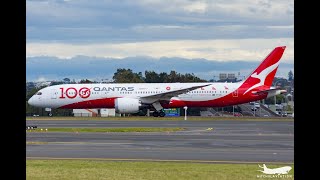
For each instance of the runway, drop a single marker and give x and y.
(230, 141)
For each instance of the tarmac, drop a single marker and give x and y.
(229, 141)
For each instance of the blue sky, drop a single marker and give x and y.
(222, 31)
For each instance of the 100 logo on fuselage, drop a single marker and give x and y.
(85, 92)
(72, 92)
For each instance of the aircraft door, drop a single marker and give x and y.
(54, 93)
(235, 93)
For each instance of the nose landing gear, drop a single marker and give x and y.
(49, 110)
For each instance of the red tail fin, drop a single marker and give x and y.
(263, 75)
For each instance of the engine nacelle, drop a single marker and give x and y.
(127, 105)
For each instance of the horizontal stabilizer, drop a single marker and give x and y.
(271, 92)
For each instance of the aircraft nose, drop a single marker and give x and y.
(31, 101)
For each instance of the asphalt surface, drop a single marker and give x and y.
(229, 141)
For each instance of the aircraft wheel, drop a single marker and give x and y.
(155, 113)
(162, 114)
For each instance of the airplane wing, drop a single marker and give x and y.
(170, 94)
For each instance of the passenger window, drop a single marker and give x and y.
(39, 93)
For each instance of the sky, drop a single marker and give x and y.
(92, 32)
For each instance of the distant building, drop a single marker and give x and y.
(222, 76)
(94, 112)
(85, 112)
(231, 76)
(107, 112)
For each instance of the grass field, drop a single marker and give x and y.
(130, 129)
(118, 170)
(181, 118)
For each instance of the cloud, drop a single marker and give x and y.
(145, 20)
(222, 50)
(219, 30)
(199, 7)
(41, 79)
(281, 27)
(230, 11)
(154, 33)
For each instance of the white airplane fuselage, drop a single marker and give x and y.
(103, 95)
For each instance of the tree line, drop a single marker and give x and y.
(128, 76)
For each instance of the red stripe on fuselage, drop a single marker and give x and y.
(227, 100)
(95, 103)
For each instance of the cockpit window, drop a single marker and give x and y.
(39, 93)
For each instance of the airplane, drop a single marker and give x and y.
(281, 170)
(132, 97)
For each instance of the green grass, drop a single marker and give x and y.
(131, 129)
(181, 118)
(115, 170)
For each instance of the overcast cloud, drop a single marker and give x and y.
(218, 30)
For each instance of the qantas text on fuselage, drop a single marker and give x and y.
(132, 97)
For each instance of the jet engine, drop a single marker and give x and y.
(127, 105)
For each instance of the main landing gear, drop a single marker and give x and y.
(158, 109)
(159, 113)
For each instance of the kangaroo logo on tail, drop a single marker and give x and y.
(263, 75)
(281, 170)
